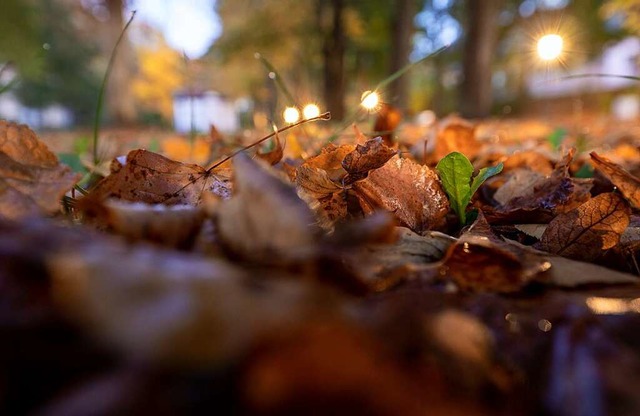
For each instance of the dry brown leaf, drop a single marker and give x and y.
(481, 262)
(265, 221)
(330, 160)
(410, 191)
(456, 135)
(315, 182)
(153, 179)
(546, 198)
(274, 156)
(627, 183)
(564, 272)
(387, 120)
(171, 308)
(373, 155)
(531, 160)
(589, 230)
(520, 184)
(32, 180)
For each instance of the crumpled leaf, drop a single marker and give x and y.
(627, 183)
(544, 199)
(32, 181)
(274, 156)
(373, 155)
(589, 230)
(520, 184)
(481, 262)
(456, 135)
(153, 179)
(265, 221)
(410, 191)
(315, 181)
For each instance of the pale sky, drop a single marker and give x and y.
(188, 25)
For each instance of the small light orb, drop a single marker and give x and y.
(370, 100)
(310, 111)
(550, 47)
(291, 115)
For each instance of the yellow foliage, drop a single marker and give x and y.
(180, 149)
(161, 74)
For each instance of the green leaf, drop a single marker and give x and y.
(557, 137)
(73, 161)
(483, 175)
(455, 172)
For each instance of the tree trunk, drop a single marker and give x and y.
(120, 102)
(333, 54)
(402, 29)
(479, 48)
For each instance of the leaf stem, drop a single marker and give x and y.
(103, 86)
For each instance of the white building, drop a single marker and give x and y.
(203, 109)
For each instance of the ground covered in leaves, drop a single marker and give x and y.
(455, 276)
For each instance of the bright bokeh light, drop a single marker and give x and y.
(310, 111)
(291, 115)
(370, 100)
(550, 47)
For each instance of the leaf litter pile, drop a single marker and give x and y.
(360, 280)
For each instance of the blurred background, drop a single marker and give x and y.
(237, 64)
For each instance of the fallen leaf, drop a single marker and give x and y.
(151, 178)
(373, 155)
(589, 230)
(387, 120)
(410, 191)
(274, 156)
(521, 184)
(530, 160)
(481, 262)
(628, 184)
(32, 181)
(173, 226)
(456, 135)
(265, 221)
(315, 181)
(564, 272)
(547, 197)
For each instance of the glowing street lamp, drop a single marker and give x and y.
(550, 47)
(310, 111)
(370, 100)
(291, 115)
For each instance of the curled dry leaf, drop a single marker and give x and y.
(153, 179)
(387, 121)
(274, 156)
(456, 135)
(373, 155)
(627, 183)
(32, 180)
(531, 200)
(589, 230)
(482, 262)
(410, 191)
(265, 221)
(315, 181)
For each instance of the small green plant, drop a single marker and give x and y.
(456, 173)
(556, 137)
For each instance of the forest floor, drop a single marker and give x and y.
(453, 269)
